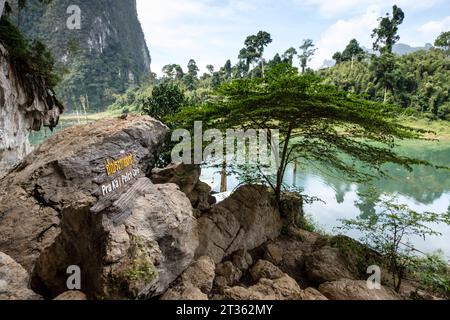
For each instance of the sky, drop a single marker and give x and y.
(212, 31)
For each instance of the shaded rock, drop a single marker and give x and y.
(265, 269)
(347, 289)
(27, 104)
(130, 242)
(200, 274)
(242, 260)
(14, 281)
(273, 253)
(227, 274)
(201, 198)
(71, 296)
(312, 294)
(186, 176)
(327, 264)
(184, 293)
(245, 220)
(284, 288)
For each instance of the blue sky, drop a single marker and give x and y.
(212, 31)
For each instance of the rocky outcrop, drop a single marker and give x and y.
(84, 200)
(14, 281)
(245, 220)
(327, 264)
(187, 177)
(26, 104)
(195, 283)
(106, 54)
(346, 289)
(71, 296)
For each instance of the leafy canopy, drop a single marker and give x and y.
(317, 122)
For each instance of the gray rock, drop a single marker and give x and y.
(274, 253)
(284, 288)
(26, 105)
(228, 274)
(347, 289)
(132, 242)
(265, 269)
(186, 176)
(14, 281)
(200, 274)
(242, 260)
(245, 220)
(71, 296)
(327, 264)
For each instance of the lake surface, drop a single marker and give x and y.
(424, 189)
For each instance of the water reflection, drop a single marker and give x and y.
(423, 189)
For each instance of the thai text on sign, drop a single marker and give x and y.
(115, 166)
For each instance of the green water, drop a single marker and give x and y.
(423, 189)
(37, 137)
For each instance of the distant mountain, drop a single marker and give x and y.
(401, 49)
(105, 57)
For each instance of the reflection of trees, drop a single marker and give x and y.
(423, 184)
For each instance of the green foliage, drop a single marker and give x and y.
(166, 99)
(388, 233)
(419, 81)
(317, 122)
(31, 57)
(433, 271)
(443, 42)
(353, 52)
(386, 33)
(307, 51)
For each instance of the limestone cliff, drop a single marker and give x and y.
(107, 54)
(26, 104)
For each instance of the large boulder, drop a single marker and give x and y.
(195, 283)
(187, 177)
(347, 289)
(82, 199)
(327, 264)
(14, 281)
(283, 288)
(245, 220)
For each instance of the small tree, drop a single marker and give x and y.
(388, 232)
(316, 122)
(167, 98)
(307, 50)
(443, 42)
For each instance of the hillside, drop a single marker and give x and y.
(107, 55)
(421, 82)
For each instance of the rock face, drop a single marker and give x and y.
(14, 281)
(107, 54)
(245, 220)
(26, 104)
(346, 289)
(187, 177)
(82, 199)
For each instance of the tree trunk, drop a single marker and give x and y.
(385, 93)
(294, 173)
(353, 61)
(283, 162)
(223, 178)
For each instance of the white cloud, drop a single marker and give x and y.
(332, 8)
(177, 30)
(338, 35)
(432, 29)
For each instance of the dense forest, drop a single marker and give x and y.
(418, 82)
